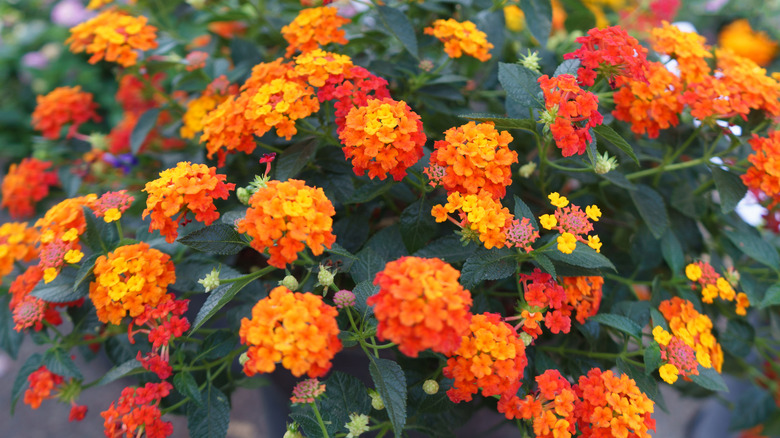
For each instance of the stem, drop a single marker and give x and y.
(319, 420)
(249, 277)
(594, 354)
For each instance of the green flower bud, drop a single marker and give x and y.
(292, 431)
(243, 358)
(526, 338)
(527, 169)
(358, 424)
(530, 61)
(605, 163)
(289, 282)
(431, 387)
(243, 195)
(210, 281)
(325, 277)
(376, 400)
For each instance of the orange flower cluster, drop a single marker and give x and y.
(114, 36)
(475, 157)
(679, 357)
(551, 407)
(461, 37)
(382, 137)
(28, 311)
(612, 52)
(138, 412)
(283, 216)
(25, 184)
(572, 223)
(317, 66)
(128, 279)
(694, 329)
(314, 27)
(543, 294)
(216, 92)
(651, 105)
(421, 305)
(42, 383)
(481, 217)
(62, 106)
(278, 104)
(571, 112)
(491, 357)
(17, 244)
(584, 295)
(688, 48)
(61, 227)
(713, 285)
(185, 188)
(740, 38)
(350, 90)
(765, 159)
(297, 329)
(612, 406)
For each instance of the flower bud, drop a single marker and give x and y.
(344, 298)
(210, 281)
(289, 282)
(325, 277)
(426, 65)
(292, 431)
(98, 141)
(527, 169)
(430, 387)
(530, 61)
(376, 400)
(197, 4)
(243, 195)
(243, 358)
(605, 163)
(526, 338)
(358, 424)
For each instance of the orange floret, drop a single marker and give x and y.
(765, 159)
(382, 137)
(128, 279)
(739, 37)
(475, 157)
(225, 129)
(694, 329)
(551, 407)
(461, 37)
(688, 48)
(25, 184)
(63, 106)
(265, 72)
(491, 357)
(185, 188)
(584, 295)
(481, 217)
(42, 383)
(571, 113)
(114, 36)
(314, 27)
(612, 406)
(421, 305)
(285, 217)
(297, 329)
(17, 244)
(652, 105)
(317, 66)
(217, 92)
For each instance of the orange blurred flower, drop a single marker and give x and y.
(584, 295)
(17, 244)
(314, 27)
(137, 412)
(688, 48)
(25, 184)
(461, 37)
(297, 329)
(217, 92)
(694, 329)
(228, 29)
(226, 130)
(285, 217)
(128, 279)
(317, 66)
(740, 38)
(185, 188)
(652, 105)
(382, 137)
(481, 217)
(421, 305)
(114, 36)
(62, 106)
(42, 383)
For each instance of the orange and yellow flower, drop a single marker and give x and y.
(226, 130)
(61, 227)
(688, 48)
(550, 407)
(185, 188)
(382, 137)
(765, 159)
(63, 106)
(475, 157)
(114, 36)
(713, 286)
(679, 357)
(314, 27)
(694, 329)
(584, 295)
(217, 92)
(740, 38)
(317, 66)
(461, 37)
(297, 329)
(572, 223)
(571, 113)
(421, 305)
(278, 104)
(481, 217)
(286, 217)
(128, 279)
(25, 184)
(17, 244)
(652, 105)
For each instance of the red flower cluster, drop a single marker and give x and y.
(165, 322)
(551, 407)
(25, 184)
(42, 383)
(612, 52)
(542, 293)
(571, 112)
(138, 411)
(584, 295)
(64, 105)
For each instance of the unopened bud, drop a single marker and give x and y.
(344, 298)
(210, 281)
(548, 117)
(289, 282)
(431, 387)
(426, 65)
(98, 141)
(292, 431)
(325, 277)
(376, 400)
(358, 425)
(605, 163)
(530, 61)
(197, 4)
(526, 338)
(527, 169)
(243, 195)
(243, 358)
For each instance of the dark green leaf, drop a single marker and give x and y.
(538, 17)
(710, 379)
(399, 25)
(646, 384)
(209, 419)
(652, 209)
(730, 188)
(187, 386)
(60, 290)
(618, 179)
(220, 239)
(20, 383)
(521, 84)
(568, 67)
(609, 134)
(738, 338)
(362, 291)
(69, 181)
(545, 263)
(486, 264)
(145, 124)
(369, 191)
(217, 299)
(503, 122)
(754, 407)
(448, 248)
(672, 251)
(750, 242)
(522, 210)
(578, 16)
(127, 368)
(84, 274)
(59, 362)
(417, 225)
(583, 256)
(771, 297)
(367, 265)
(619, 322)
(652, 357)
(344, 394)
(295, 158)
(390, 382)
(340, 251)
(252, 382)
(217, 344)
(10, 339)
(99, 236)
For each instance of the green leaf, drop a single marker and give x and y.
(538, 18)
(84, 274)
(448, 248)
(369, 191)
(522, 210)
(217, 344)
(521, 84)
(417, 225)
(60, 290)
(252, 382)
(20, 383)
(568, 67)
(672, 251)
(619, 322)
(578, 16)
(217, 299)
(362, 291)
(99, 236)
(10, 339)
(644, 382)
(295, 158)
(344, 394)
(58, 361)
(583, 256)
(486, 264)
(367, 265)
(390, 382)
(730, 188)
(128, 368)
(503, 122)
(618, 179)
(69, 181)
(652, 357)
(209, 419)
(708, 378)
(771, 297)
(652, 209)
(187, 386)
(754, 407)
(609, 134)
(399, 25)
(145, 124)
(750, 242)
(545, 263)
(220, 239)
(738, 338)
(657, 319)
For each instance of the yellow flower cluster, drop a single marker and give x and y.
(460, 38)
(481, 214)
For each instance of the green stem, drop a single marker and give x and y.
(254, 275)
(594, 354)
(319, 420)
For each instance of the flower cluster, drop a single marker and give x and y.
(475, 157)
(297, 329)
(216, 92)
(550, 407)
(694, 329)
(138, 411)
(739, 37)
(185, 188)
(382, 137)
(571, 113)
(42, 383)
(350, 90)
(307, 391)
(481, 217)
(687, 48)
(314, 27)
(584, 295)
(651, 105)
(679, 357)
(491, 358)
(317, 66)
(278, 104)
(61, 227)
(521, 234)
(111, 205)
(611, 52)
(461, 37)
(713, 285)
(421, 305)
(762, 176)
(25, 184)
(63, 106)
(114, 36)
(17, 244)
(542, 293)
(285, 217)
(572, 223)
(164, 322)
(28, 311)
(128, 279)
